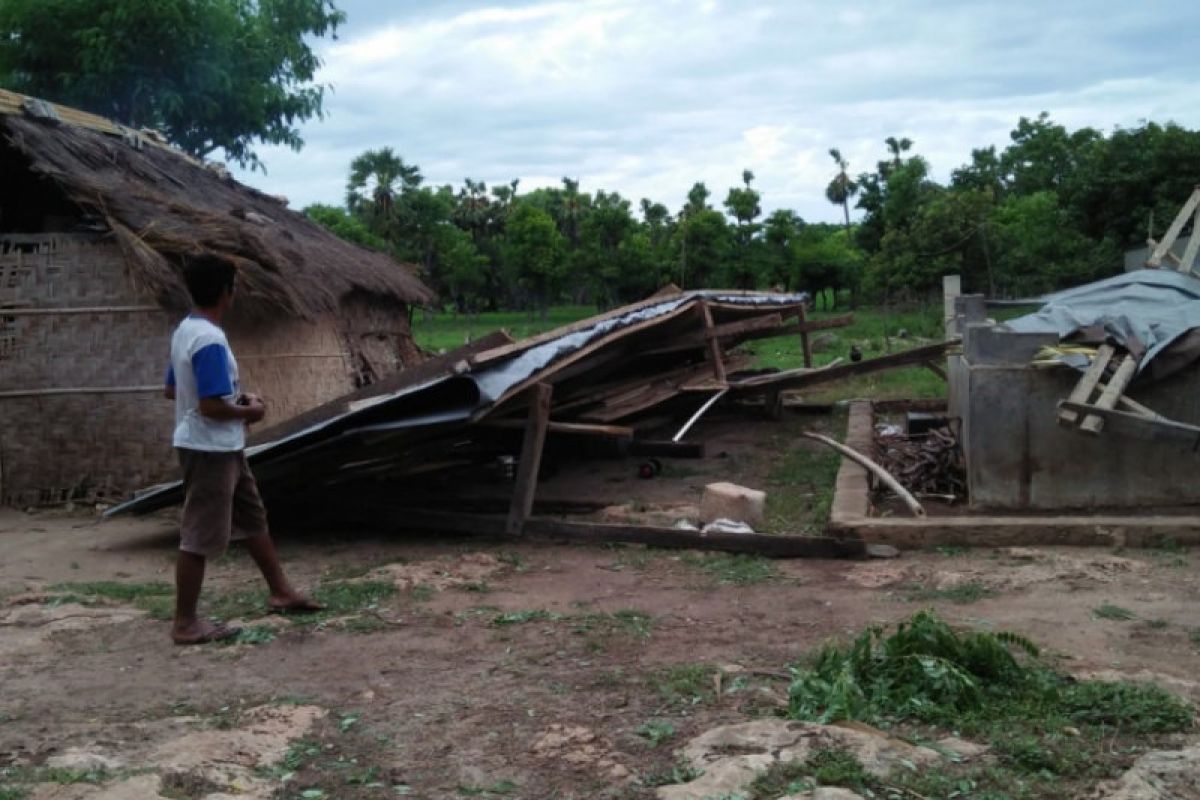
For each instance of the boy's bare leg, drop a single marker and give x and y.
(189, 577)
(283, 596)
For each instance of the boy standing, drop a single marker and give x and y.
(221, 499)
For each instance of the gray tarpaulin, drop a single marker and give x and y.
(1144, 311)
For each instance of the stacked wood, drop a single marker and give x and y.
(930, 463)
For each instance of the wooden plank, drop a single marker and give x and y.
(531, 458)
(576, 428)
(1123, 423)
(1181, 219)
(1169, 256)
(798, 378)
(1188, 262)
(805, 344)
(715, 358)
(1083, 389)
(764, 544)
(1108, 398)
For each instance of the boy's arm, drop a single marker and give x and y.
(169, 383)
(211, 366)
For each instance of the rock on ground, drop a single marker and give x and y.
(1158, 775)
(732, 755)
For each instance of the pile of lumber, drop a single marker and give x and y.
(927, 464)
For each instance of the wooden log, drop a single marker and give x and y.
(1087, 384)
(764, 544)
(1168, 241)
(1094, 423)
(879, 472)
(715, 357)
(531, 458)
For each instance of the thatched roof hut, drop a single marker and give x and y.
(96, 222)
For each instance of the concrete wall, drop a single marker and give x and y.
(1019, 458)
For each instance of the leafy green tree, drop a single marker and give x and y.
(534, 254)
(346, 226)
(1043, 154)
(744, 205)
(210, 74)
(781, 237)
(1038, 250)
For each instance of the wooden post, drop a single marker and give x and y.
(805, 344)
(714, 345)
(951, 288)
(531, 457)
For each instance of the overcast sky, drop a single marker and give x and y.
(646, 97)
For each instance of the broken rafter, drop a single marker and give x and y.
(1087, 384)
(1094, 423)
(531, 458)
(799, 378)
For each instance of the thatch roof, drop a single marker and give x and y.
(165, 207)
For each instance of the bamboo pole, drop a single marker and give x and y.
(879, 472)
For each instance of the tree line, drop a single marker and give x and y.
(1054, 208)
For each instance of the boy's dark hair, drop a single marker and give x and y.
(207, 277)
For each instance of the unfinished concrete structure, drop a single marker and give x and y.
(1020, 458)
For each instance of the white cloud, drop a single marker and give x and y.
(647, 98)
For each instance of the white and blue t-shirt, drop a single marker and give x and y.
(202, 365)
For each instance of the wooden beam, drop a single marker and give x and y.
(799, 378)
(936, 370)
(1087, 384)
(1094, 423)
(1169, 256)
(531, 458)
(805, 344)
(743, 332)
(1168, 240)
(715, 357)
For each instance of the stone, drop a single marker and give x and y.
(882, 551)
(966, 751)
(1157, 775)
(729, 501)
(723, 778)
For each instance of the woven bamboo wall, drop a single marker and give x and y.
(100, 445)
(56, 447)
(293, 364)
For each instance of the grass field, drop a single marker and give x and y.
(444, 331)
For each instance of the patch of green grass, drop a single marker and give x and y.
(737, 569)
(800, 484)
(827, 766)
(627, 621)
(448, 331)
(349, 597)
(115, 590)
(1111, 611)
(655, 731)
(13, 793)
(235, 603)
(421, 593)
(966, 592)
(253, 634)
(684, 685)
(990, 687)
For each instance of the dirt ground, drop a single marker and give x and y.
(490, 668)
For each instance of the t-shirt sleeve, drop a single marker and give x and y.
(170, 378)
(211, 365)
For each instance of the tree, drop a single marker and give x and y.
(376, 178)
(345, 226)
(534, 253)
(743, 204)
(841, 188)
(210, 74)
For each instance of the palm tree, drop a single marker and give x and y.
(374, 176)
(841, 188)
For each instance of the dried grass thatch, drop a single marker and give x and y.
(164, 208)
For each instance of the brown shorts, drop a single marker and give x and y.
(221, 502)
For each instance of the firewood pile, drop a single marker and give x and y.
(927, 464)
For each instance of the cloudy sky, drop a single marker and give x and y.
(646, 98)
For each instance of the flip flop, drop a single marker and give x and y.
(219, 633)
(303, 605)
